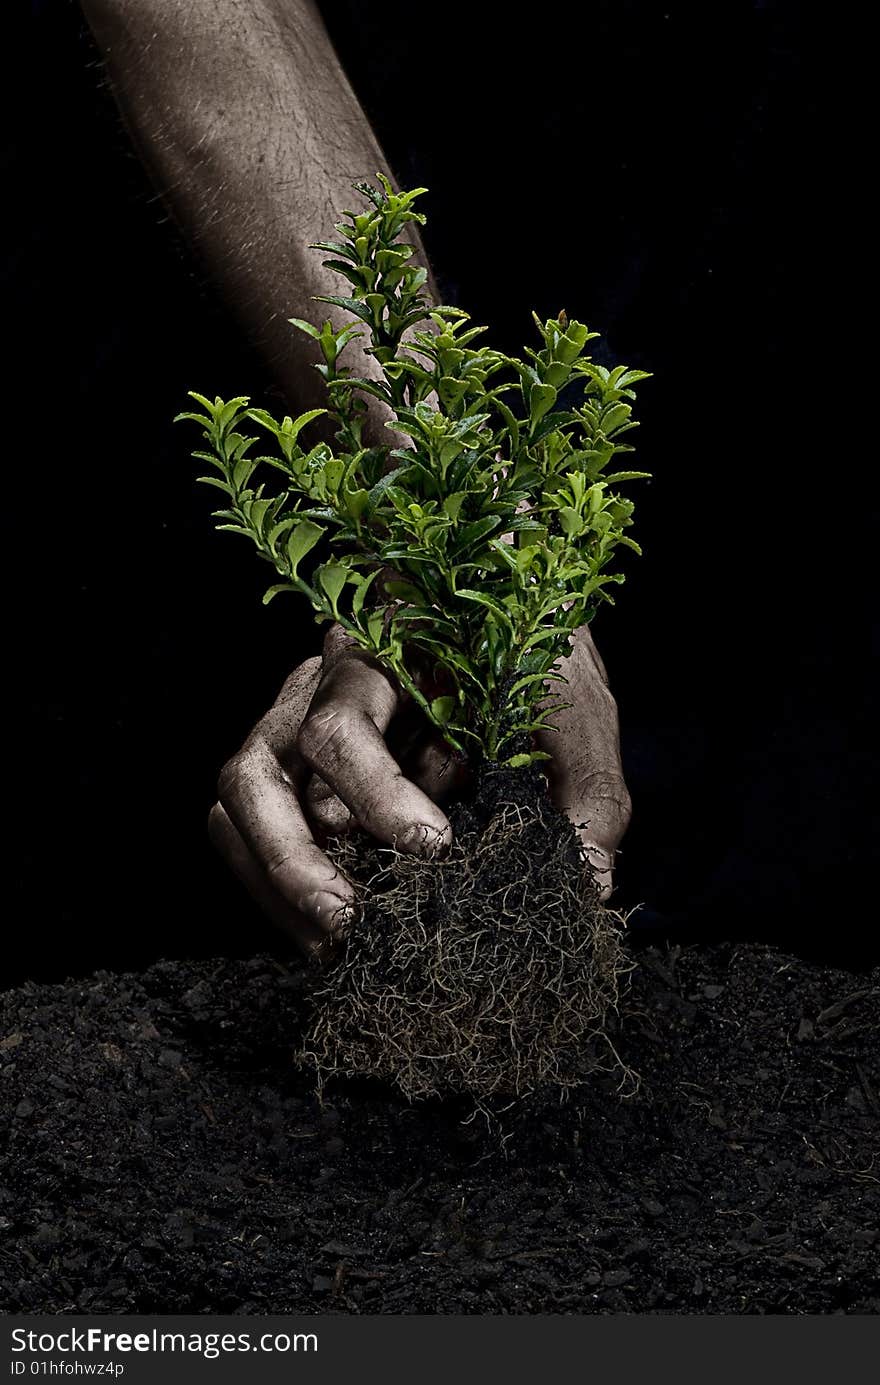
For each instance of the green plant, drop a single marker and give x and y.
(480, 547)
(473, 553)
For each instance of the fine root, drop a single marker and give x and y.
(491, 972)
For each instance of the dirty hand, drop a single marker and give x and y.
(343, 746)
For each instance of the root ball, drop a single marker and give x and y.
(490, 972)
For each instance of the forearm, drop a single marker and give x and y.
(253, 136)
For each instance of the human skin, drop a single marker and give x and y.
(253, 136)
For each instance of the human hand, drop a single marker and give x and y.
(341, 746)
(344, 746)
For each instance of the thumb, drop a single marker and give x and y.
(601, 813)
(598, 836)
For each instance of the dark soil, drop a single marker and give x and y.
(163, 1156)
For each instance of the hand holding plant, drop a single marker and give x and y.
(471, 556)
(500, 522)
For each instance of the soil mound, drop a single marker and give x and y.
(161, 1153)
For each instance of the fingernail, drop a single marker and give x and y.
(331, 909)
(428, 841)
(343, 919)
(342, 912)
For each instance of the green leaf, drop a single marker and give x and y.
(356, 502)
(359, 309)
(370, 387)
(442, 709)
(510, 420)
(572, 343)
(518, 761)
(630, 543)
(196, 418)
(376, 627)
(483, 600)
(226, 414)
(203, 400)
(303, 419)
(570, 521)
(256, 511)
(506, 554)
(532, 678)
(242, 472)
(357, 601)
(551, 423)
(542, 398)
(309, 328)
(280, 529)
(355, 274)
(384, 484)
(279, 587)
(302, 541)
(334, 248)
(450, 390)
(331, 578)
(614, 418)
(452, 504)
(400, 590)
(470, 535)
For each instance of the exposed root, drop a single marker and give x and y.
(490, 972)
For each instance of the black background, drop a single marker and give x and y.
(657, 170)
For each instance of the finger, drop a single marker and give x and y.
(310, 937)
(326, 809)
(599, 858)
(259, 790)
(261, 800)
(342, 739)
(585, 771)
(433, 765)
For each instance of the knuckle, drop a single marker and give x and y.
(623, 799)
(330, 814)
(324, 734)
(284, 870)
(278, 862)
(336, 642)
(239, 774)
(607, 794)
(318, 791)
(234, 777)
(605, 784)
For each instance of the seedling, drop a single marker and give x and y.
(475, 551)
(483, 545)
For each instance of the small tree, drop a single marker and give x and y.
(483, 545)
